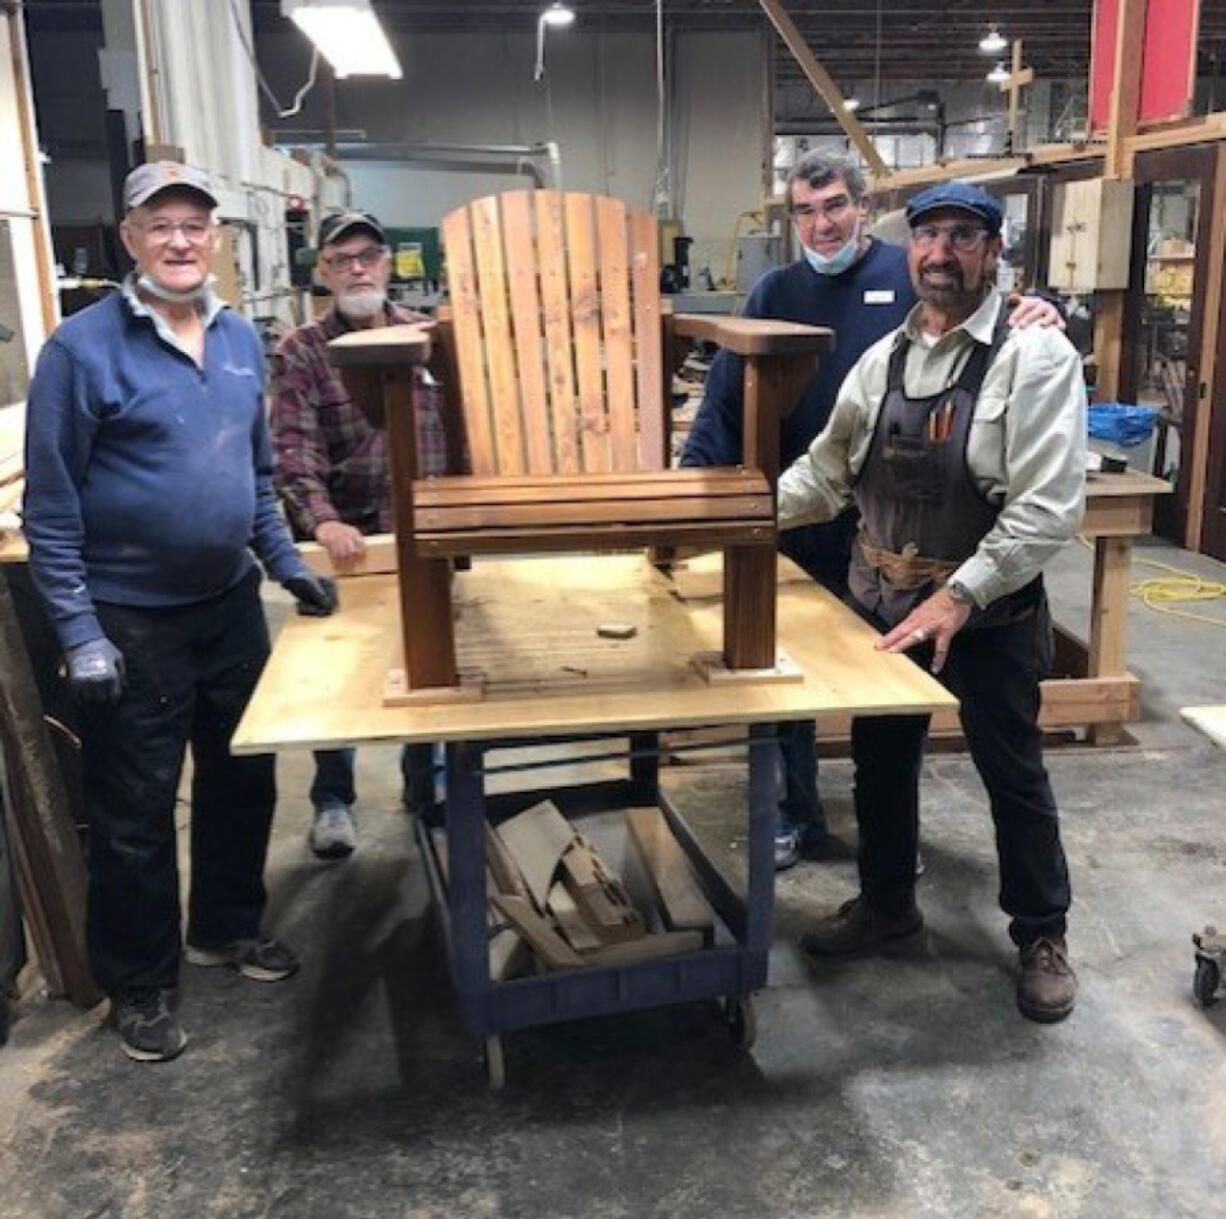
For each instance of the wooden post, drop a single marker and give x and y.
(43, 260)
(50, 868)
(1013, 85)
(821, 80)
(772, 385)
(1109, 627)
(426, 622)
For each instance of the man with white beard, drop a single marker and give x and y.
(332, 470)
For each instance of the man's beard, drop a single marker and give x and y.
(953, 296)
(362, 306)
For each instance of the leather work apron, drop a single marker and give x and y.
(922, 514)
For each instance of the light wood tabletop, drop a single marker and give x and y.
(530, 626)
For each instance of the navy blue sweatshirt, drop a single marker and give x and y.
(863, 304)
(148, 478)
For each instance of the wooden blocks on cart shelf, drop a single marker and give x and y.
(552, 897)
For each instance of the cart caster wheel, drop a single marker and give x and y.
(495, 1064)
(742, 1020)
(1206, 982)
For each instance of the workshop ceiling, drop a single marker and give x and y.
(854, 39)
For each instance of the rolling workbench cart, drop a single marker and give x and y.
(531, 627)
(730, 969)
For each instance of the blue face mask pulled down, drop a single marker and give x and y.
(840, 260)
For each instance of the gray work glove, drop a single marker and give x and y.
(95, 671)
(316, 595)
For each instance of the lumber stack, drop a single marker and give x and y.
(554, 903)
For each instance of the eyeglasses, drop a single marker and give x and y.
(963, 237)
(161, 232)
(832, 209)
(367, 259)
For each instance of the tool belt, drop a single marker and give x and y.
(905, 571)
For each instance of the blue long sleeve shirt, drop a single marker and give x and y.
(863, 304)
(148, 478)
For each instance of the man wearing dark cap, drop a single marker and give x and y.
(332, 470)
(859, 286)
(962, 444)
(148, 488)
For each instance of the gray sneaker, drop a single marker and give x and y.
(148, 1030)
(265, 960)
(333, 835)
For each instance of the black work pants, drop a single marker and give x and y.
(190, 672)
(995, 673)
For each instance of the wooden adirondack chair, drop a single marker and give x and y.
(561, 353)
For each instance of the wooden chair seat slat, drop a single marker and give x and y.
(596, 538)
(595, 512)
(711, 482)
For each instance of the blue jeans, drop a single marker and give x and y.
(334, 776)
(798, 762)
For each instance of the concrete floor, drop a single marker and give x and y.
(890, 1089)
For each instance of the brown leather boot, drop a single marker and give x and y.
(855, 929)
(1046, 983)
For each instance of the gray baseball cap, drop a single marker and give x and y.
(337, 225)
(147, 180)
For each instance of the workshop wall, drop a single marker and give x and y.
(598, 101)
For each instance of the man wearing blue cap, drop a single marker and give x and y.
(148, 488)
(962, 444)
(860, 287)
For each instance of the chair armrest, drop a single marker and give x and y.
(750, 336)
(382, 347)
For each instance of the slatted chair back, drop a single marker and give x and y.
(555, 301)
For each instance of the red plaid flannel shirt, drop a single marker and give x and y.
(330, 463)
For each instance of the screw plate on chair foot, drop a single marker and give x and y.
(713, 669)
(396, 692)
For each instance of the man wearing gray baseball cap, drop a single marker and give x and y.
(148, 492)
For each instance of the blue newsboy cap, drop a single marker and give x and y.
(960, 195)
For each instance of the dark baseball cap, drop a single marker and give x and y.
(151, 179)
(340, 224)
(961, 196)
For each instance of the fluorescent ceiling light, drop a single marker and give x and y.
(992, 43)
(851, 103)
(998, 75)
(348, 35)
(558, 15)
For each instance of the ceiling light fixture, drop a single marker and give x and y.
(851, 103)
(998, 75)
(993, 42)
(558, 16)
(348, 35)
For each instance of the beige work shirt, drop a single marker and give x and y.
(1025, 452)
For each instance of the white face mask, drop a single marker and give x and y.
(148, 284)
(840, 260)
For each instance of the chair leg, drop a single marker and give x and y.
(427, 623)
(749, 606)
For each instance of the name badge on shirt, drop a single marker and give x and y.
(879, 296)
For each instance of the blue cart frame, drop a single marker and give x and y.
(731, 972)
